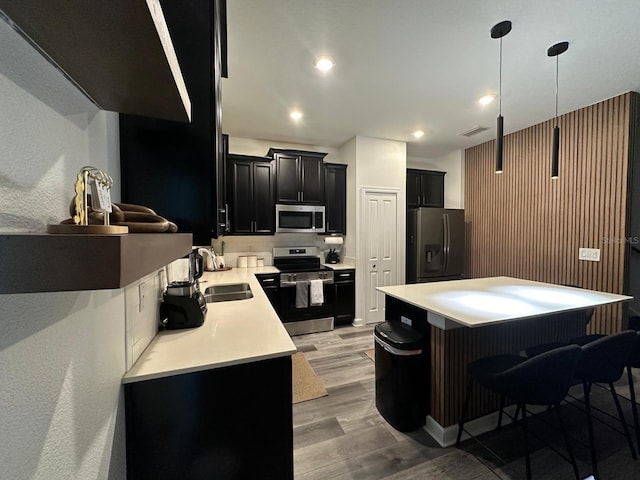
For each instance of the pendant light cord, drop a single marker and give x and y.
(500, 76)
(557, 63)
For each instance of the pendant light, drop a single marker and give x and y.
(555, 51)
(498, 31)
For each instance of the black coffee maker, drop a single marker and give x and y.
(332, 256)
(183, 304)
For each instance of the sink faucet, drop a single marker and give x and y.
(209, 258)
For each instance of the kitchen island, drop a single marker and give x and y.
(469, 319)
(214, 401)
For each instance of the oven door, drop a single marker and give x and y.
(288, 311)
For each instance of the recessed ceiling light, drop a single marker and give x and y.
(487, 99)
(324, 63)
(296, 115)
(418, 133)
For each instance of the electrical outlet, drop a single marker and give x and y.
(406, 321)
(589, 254)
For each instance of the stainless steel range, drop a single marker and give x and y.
(306, 296)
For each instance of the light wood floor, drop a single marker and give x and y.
(342, 436)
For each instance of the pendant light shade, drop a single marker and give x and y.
(499, 30)
(499, 142)
(555, 51)
(555, 153)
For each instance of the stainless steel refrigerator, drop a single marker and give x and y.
(435, 244)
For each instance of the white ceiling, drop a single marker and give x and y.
(404, 65)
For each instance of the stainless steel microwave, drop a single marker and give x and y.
(300, 218)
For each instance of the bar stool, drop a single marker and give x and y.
(583, 315)
(542, 380)
(603, 361)
(634, 362)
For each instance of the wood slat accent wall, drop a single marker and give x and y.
(523, 224)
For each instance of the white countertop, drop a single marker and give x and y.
(339, 266)
(479, 302)
(233, 333)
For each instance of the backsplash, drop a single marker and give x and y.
(262, 245)
(142, 313)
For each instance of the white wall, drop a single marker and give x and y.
(62, 355)
(348, 154)
(380, 163)
(453, 164)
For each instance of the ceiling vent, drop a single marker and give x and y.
(473, 131)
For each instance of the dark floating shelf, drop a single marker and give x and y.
(32, 263)
(111, 50)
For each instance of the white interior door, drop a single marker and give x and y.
(380, 239)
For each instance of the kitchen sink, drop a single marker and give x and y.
(231, 291)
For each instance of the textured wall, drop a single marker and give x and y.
(61, 354)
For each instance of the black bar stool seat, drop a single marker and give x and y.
(541, 380)
(603, 361)
(584, 316)
(634, 362)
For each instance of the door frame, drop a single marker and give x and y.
(361, 245)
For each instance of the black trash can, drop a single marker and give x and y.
(402, 375)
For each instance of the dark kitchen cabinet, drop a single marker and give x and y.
(335, 184)
(270, 283)
(425, 188)
(212, 424)
(345, 296)
(251, 190)
(176, 168)
(300, 176)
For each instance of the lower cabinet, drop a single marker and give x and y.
(345, 300)
(270, 283)
(226, 423)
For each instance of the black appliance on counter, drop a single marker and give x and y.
(299, 267)
(332, 256)
(435, 244)
(183, 305)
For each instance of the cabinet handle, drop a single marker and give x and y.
(302, 196)
(227, 224)
(269, 280)
(344, 275)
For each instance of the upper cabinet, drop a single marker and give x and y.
(119, 53)
(336, 198)
(425, 188)
(251, 191)
(300, 176)
(177, 168)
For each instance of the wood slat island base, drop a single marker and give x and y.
(540, 313)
